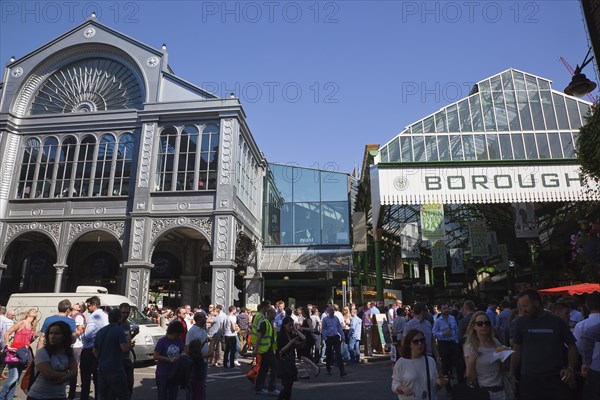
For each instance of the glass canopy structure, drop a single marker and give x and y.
(510, 116)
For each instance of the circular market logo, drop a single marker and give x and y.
(401, 183)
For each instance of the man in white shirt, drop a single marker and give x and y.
(575, 316)
(88, 363)
(593, 304)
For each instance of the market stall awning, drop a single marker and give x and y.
(572, 289)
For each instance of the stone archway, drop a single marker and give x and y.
(182, 273)
(94, 259)
(29, 261)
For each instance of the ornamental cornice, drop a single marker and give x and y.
(160, 225)
(115, 227)
(51, 228)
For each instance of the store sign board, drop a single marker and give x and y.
(484, 184)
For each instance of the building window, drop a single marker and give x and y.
(28, 169)
(66, 159)
(187, 158)
(64, 167)
(123, 165)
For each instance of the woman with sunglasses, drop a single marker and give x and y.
(479, 348)
(410, 380)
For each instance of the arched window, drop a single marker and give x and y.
(47, 169)
(85, 160)
(105, 160)
(166, 159)
(66, 159)
(27, 177)
(187, 159)
(186, 167)
(123, 166)
(210, 153)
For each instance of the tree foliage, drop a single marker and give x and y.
(588, 145)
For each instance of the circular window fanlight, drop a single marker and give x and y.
(86, 86)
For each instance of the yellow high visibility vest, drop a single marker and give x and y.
(255, 326)
(268, 340)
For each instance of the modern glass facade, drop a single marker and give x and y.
(305, 207)
(509, 116)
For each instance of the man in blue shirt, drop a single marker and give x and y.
(445, 330)
(491, 311)
(420, 323)
(87, 365)
(590, 362)
(109, 347)
(63, 310)
(354, 337)
(333, 332)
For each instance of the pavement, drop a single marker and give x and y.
(369, 380)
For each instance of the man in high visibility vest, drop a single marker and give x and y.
(258, 318)
(266, 344)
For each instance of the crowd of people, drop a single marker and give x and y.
(526, 349)
(530, 348)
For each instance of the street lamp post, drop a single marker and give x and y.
(349, 282)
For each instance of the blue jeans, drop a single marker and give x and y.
(10, 384)
(166, 389)
(354, 347)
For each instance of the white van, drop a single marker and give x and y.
(47, 304)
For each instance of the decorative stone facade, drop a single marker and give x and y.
(98, 180)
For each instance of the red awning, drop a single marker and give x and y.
(573, 289)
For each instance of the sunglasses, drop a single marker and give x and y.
(482, 323)
(417, 341)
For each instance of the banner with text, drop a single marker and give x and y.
(524, 219)
(432, 222)
(438, 254)
(409, 240)
(503, 252)
(457, 259)
(478, 239)
(359, 223)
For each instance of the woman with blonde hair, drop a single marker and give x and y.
(24, 333)
(346, 325)
(415, 373)
(479, 348)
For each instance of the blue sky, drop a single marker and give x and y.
(320, 80)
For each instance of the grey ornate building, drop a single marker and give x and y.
(116, 172)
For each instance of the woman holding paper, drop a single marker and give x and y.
(484, 355)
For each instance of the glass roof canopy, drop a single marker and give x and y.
(509, 116)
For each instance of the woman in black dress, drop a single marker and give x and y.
(286, 342)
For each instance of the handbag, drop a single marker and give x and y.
(10, 356)
(345, 351)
